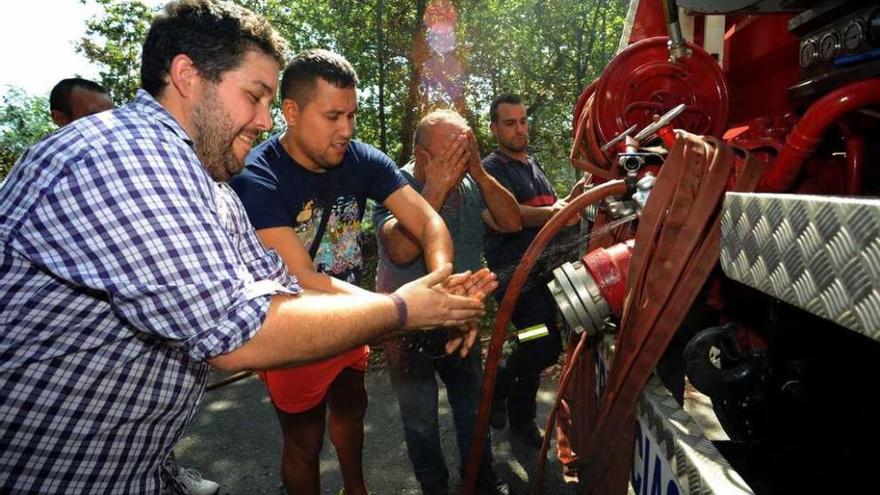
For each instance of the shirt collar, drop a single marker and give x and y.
(505, 158)
(151, 108)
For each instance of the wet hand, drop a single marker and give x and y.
(477, 285)
(431, 305)
(462, 338)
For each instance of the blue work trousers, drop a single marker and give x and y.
(519, 374)
(413, 363)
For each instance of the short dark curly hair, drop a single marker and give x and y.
(214, 34)
(300, 77)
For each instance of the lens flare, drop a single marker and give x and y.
(442, 72)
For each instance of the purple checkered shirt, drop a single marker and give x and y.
(123, 268)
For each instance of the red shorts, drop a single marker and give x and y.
(300, 388)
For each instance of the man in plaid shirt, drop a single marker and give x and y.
(127, 266)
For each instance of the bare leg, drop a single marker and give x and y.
(347, 399)
(303, 439)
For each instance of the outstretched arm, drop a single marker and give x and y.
(314, 326)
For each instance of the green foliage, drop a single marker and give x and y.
(113, 43)
(374, 35)
(545, 51)
(548, 52)
(24, 120)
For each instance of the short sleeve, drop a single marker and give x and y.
(383, 176)
(136, 223)
(381, 214)
(259, 191)
(498, 171)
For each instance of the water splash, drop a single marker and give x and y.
(563, 248)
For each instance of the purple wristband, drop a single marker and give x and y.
(400, 304)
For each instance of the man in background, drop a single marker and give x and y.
(446, 171)
(75, 98)
(519, 373)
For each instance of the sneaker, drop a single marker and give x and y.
(195, 484)
(528, 433)
(498, 419)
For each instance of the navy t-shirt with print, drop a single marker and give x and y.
(529, 185)
(278, 192)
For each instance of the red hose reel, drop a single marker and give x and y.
(639, 84)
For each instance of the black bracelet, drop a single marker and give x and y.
(400, 304)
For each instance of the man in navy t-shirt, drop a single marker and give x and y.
(288, 185)
(280, 192)
(519, 373)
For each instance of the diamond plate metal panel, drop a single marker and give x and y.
(696, 463)
(819, 253)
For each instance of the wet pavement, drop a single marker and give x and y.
(235, 440)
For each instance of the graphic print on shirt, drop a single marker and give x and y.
(340, 252)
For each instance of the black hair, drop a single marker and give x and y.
(301, 75)
(59, 98)
(506, 98)
(216, 35)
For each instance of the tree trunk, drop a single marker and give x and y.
(592, 42)
(380, 44)
(417, 58)
(603, 9)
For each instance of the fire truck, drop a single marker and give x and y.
(725, 313)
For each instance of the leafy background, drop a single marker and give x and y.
(411, 56)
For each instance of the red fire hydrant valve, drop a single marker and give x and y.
(609, 267)
(587, 294)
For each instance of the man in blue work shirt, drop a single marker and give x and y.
(519, 373)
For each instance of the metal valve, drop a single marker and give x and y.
(660, 123)
(620, 137)
(590, 292)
